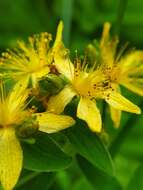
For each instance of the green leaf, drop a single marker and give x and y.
(89, 145)
(136, 181)
(44, 155)
(125, 168)
(98, 179)
(1, 188)
(82, 184)
(63, 180)
(35, 180)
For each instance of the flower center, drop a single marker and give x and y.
(90, 85)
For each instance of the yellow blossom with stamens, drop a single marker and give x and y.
(12, 113)
(89, 85)
(29, 62)
(126, 70)
(82, 84)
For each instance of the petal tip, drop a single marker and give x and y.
(139, 111)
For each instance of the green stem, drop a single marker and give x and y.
(67, 9)
(27, 178)
(120, 15)
(121, 137)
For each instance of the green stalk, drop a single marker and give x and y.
(27, 178)
(120, 15)
(119, 140)
(121, 137)
(67, 9)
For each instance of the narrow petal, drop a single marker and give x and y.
(18, 95)
(59, 34)
(61, 55)
(132, 60)
(108, 46)
(63, 63)
(16, 101)
(105, 35)
(88, 111)
(57, 103)
(135, 86)
(51, 123)
(131, 67)
(115, 116)
(23, 81)
(121, 103)
(10, 158)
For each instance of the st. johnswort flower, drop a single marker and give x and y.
(13, 114)
(89, 84)
(31, 61)
(120, 70)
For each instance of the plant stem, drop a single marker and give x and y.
(67, 8)
(119, 140)
(27, 178)
(120, 15)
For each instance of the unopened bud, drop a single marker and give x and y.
(51, 84)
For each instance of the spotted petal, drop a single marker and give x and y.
(117, 101)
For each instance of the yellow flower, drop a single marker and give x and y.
(29, 62)
(126, 70)
(89, 85)
(11, 114)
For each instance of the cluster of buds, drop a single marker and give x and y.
(45, 80)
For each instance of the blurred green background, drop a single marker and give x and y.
(83, 21)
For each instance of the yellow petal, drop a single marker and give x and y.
(88, 111)
(61, 55)
(135, 86)
(19, 94)
(57, 103)
(131, 67)
(23, 81)
(107, 46)
(10, 158)
(17, 98)
(115, 116)
(132, 60)
(105, 35)
(63, 63)
(51, 123)
(121, 103)
(59, 34)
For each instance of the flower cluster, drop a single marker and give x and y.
(32, 65)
